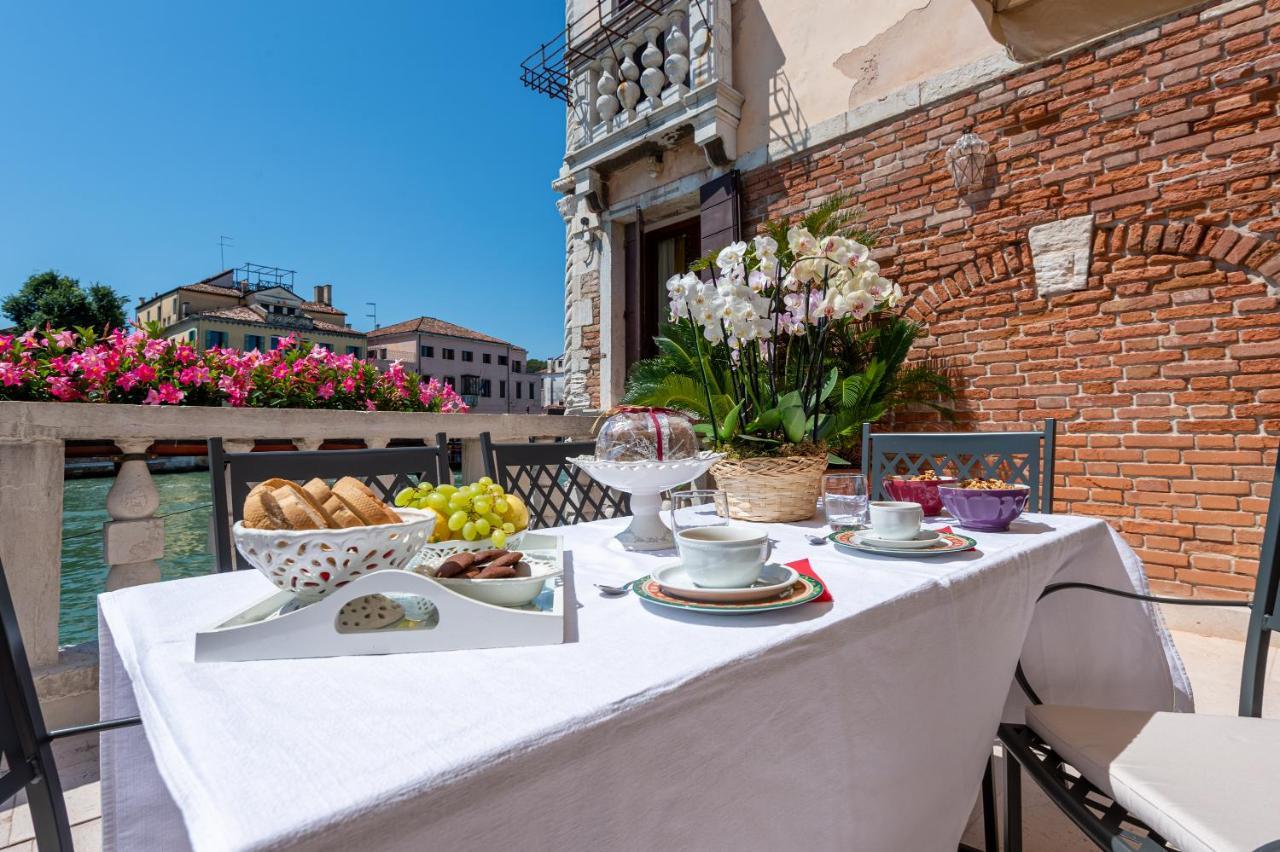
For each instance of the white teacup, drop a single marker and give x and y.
(723, 557)
(894, 520)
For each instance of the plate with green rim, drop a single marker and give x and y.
(803, 590)
(847, 540)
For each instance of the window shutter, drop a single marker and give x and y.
(721, 216)
(633, 315)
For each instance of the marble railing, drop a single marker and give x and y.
(32, 453)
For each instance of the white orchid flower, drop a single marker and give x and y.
(731, 255)
(802, 242)
(765, 245)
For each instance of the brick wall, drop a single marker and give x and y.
(1165, 372)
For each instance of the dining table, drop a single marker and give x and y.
(862, 722)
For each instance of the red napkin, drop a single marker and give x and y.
(944, 530)
(802, 566)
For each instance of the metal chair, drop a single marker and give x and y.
(1137, 780)
(1019, 457)
(386, 471)
(556, 492)
(27, 745)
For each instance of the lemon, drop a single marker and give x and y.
(440, 531)
(517, 513)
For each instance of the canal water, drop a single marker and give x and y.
(184, 499)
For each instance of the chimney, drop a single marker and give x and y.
(319, 294)
(328, 295)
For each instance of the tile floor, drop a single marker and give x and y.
(1213, 664)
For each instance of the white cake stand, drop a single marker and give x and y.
(645, 481)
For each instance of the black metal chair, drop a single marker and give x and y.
(1018, 457)
(1137, 780)
(386, 471)
(27, 745)
(555, 492)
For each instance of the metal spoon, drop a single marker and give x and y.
(614, 591)
(815, 539)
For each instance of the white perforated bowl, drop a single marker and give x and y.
(312, 563)
(432, 554)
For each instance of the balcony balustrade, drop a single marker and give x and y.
(32, 454)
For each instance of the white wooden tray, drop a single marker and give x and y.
(276, 628)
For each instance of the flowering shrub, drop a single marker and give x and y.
(133, 367)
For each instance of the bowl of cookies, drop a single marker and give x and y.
(311, 539)
(989, 505)
(495, 576)
(921, 488)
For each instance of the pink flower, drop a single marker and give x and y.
(196, 375)
(325, 391)
(10, 374)
(370, 405)
(60, 387)
(154, 348)
(29, 339)
(6, 342)
(349, 385)
(184, 353)
(280, 371)
(166, 394)
(65, 339)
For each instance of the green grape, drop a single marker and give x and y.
(508, 528)
(457, 520)
(482, 527)
(403, 497)
(482, 504)
(420, 503)
(499, 538)
(500, 505)
(469, 531)
(459, 501)
(438, 501)
(493, 518)
(484, 481)
(424, 488)
(496, 490)
(446, 490)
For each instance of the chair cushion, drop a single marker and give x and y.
(1206, 783)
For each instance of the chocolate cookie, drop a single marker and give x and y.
(511, 557)
(497, 572)
(459, 563)
(484, 556)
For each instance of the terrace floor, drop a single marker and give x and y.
(1213, 664)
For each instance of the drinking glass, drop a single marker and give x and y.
(844, 499)
(699, 507)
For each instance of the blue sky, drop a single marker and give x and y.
(385, 147)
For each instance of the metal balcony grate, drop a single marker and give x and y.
(603, 26)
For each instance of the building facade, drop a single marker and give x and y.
(489, 373)
(553, 384)
(222, 311)
(1116, 267)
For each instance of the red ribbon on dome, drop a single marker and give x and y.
(653, 413)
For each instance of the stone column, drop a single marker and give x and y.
(133, 540)
(31, 540)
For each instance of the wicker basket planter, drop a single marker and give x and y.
(771, 489)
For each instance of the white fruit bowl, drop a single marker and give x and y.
(312, 563)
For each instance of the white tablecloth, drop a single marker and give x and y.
(860, 724)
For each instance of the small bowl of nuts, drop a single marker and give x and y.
(496, 576)
(921, 488)
(989, 505)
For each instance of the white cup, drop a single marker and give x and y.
(894, 520)
(723, 557)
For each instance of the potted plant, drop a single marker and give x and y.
(787, 347)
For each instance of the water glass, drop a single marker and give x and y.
(844, 499)
(699, 507)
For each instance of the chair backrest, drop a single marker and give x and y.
(386, 471)
(556, 492)
(24, 739)
(1021, 457)
(1263, 617)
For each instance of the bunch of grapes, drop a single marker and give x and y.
(471, 512)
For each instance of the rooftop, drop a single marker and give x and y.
(241, 313)
(431, 325)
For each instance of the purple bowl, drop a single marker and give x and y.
(986, 510)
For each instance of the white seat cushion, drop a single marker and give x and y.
(1206, 783)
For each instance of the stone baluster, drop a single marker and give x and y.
(652, 80)
(607, 103)
(31, 539)
(701, 49)
(676, 65)
(133, 540)
(628, 89)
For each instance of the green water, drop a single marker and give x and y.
(84, 510)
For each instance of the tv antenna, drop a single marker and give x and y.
(373, 314)
(223, 242)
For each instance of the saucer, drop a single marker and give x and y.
(848, 541)
(803, 590)
(924, 538)
(774, 580)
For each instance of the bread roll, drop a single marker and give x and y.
(299, 512)
(342, 516)
(319, 490)
(288, 486)
(262, 511)
(357, 497)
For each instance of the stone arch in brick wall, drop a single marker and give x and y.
(1164, 374)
